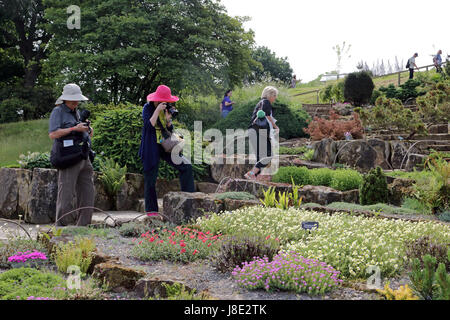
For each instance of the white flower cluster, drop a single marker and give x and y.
(348, 243)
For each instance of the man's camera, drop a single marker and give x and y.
(170, 107)
(84, 116)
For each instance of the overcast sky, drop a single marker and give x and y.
(306, 31)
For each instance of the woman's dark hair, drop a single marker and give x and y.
(227, 92)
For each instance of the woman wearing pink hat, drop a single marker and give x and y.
(156, 115)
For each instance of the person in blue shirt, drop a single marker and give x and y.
(227, 105)
(151, 150)
(437, 60)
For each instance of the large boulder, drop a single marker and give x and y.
(180, 207)
(102, 200)
(44, 192)
(415, 161)
(324, 151)
(398, 155)
(117, 276)
(399, 189)
(15, 184)
(156, 287)
(317, 194)
(163, 187)
(131, 191)
(232, 167)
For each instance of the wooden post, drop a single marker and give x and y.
(318, 97)
(399, 78)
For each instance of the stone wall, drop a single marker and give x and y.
(33, 194)
(367, 154)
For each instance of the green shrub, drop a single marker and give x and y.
(74, 254)
(291, 119)
(133, 229)
(378, 207)
(358, 88)
(292, 151)
(35, 160)
(374, 188)
(444, 216)
(12, 110)
(236, 250)
(415, 205)
(345, 179)
(112, 178)
(24, 283)
(322, 177)
(87, 231)
(300, 175)
(340, 179)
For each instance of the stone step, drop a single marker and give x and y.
(435, 136)
(441, 148)
(141, 205)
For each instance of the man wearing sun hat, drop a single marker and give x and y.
(155, 115)
(76, 181)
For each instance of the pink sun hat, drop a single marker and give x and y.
(162, 94)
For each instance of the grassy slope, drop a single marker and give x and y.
(21, 137)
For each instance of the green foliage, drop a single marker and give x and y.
(138, 228)
(378, 207)
(74, 254)
(422, 246)
(178, 291)
(390, 114)
(308, 155)
(333, 92)
(112, 177)
(87, 231)
(235, 196)
(22, 283)
(427, 281)
(415, 205)
(434, 106)
(236, 250)
(291, 119)
(269, 200)
(340, 179)
(292, 151)
(35, 160)
(444, 216)
(404, 92)
(269, 67)
(374, 188)
(358, 88)
(11, 110)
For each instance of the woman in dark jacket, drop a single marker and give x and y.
(151, 150)
(260, 137)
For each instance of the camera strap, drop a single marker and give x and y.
(165, 133)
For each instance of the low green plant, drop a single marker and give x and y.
(77, 254)
(269, 200)
(133, 229)
(178, 291)
(112, 177)
(29, 283)
(403, 293)
(415, 205)
(293, 151)
(345, 179)
(297, 201)
(86, 231)
(308, 155)
(283, 200)
(35, 160)
(235, 250)
(235, 196)
(429, 282)
(444, 216)
(374, 188)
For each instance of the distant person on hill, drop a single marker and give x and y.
(412, 65)
(294, 81)
(227, 105)
(437, 60)
(261, 129)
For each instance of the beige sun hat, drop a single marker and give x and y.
(71, 92)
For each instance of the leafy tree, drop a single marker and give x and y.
(270, 67)
(21, 22)
(342, 52)
(125, 49)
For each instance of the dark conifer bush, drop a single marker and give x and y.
(358, 88)
(374, 188)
